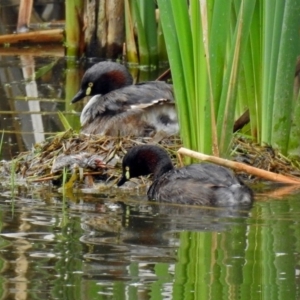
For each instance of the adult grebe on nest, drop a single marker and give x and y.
(120, 107)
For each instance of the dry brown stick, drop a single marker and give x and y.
(239, 166)
(45, 50)
(40, 36)
(43, 178)
(164, 75)
(242, 121)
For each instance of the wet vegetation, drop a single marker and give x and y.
(97, 243)
(227, 57)
(94, 161)
(87, 158)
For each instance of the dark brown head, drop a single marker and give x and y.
(144, 160)
(103, 78)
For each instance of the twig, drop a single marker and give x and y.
(40, 36)
(239, 166)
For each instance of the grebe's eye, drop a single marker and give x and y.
(127, 173)
(89, 89)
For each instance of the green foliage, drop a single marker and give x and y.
(42, 71)
(141, 23)
(229, 56)
(64, 121)
(205, 42)
(73, 26)
(283, 27)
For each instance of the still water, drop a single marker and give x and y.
(118, 245)
(124, 247)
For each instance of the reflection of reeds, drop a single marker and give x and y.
(277, 192)
(13, 183)
(64, 217)
(30, 75)
(1, 142)
(64, 181)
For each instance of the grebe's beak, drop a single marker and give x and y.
(125, 177)
(122, 180)
(81, 94)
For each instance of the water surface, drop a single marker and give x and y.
(124, 247)
(35, 89)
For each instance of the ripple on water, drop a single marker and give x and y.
(104, 243)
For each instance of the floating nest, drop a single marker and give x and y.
(89, 159)
(85, 159)
(263, 157)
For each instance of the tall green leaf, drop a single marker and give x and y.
(283, 92)
(229, 92)
(172, 43)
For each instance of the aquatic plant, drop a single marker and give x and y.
(226, 57)
(144, 39)
(74, 26)
(64, 121)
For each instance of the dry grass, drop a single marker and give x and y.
(78, 154)
(264, 157)
(46, 161)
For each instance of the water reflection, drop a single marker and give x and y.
(29, 101)
(98, 245)
(34, 88)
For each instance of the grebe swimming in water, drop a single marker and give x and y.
(199, 184)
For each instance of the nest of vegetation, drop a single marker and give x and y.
(263, 157)
(98, 158)
(91, 158)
